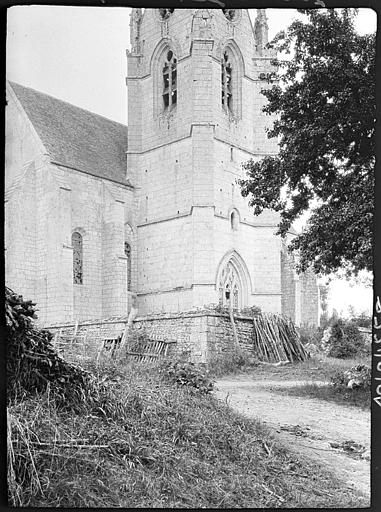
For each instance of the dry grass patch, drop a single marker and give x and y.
(317, 368)
(143, 441)
(355, 397)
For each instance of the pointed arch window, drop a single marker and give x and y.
(230, 287)
(170, 81)
(226, 82)
(127, 252)
(77, 244)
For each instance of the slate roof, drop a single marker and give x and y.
(74, 137)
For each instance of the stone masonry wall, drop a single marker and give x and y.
(288, 285)
(185, 162)
(199, 335)
(310, 302)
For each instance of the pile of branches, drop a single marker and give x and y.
(276, 339)
(33, 365)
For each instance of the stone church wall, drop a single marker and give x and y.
(98, 209)
(310, 299)
(288, 285)
(186, 161)
(20, 236)
(24, 157)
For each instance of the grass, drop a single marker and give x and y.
(142, 441)
(318, 368)
(308, 373)
(357, 397)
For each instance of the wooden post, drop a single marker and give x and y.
(232, 321)
(131, 318)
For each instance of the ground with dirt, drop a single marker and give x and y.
(307, 425)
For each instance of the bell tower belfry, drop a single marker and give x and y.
(194, 115)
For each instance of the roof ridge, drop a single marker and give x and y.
(64, 101)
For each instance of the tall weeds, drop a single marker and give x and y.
(143, 441)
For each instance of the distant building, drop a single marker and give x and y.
(97, 214)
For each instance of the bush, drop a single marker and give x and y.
(310, 335)
(357, 377)
(33, 364)
(230, 362)
(186, 373)
(362, 320)
(342, 340)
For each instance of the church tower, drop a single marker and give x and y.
(194, 116)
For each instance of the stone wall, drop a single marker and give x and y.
(288, 284)
(185, 162)
(199, 335)
(310, 303)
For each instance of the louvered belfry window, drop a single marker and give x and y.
(226, 82)
(76, 242)
(170, 81)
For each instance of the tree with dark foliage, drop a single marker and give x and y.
(324, 100)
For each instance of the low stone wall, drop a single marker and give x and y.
(90, 337)
(221, 335)
(94, 328)
(198, 335)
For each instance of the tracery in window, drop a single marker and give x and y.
(226, 82)
(76, 242)
(127, 252)
(165, 13)
(230, 287)
(170, 81)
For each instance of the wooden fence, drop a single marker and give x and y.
(80, 344)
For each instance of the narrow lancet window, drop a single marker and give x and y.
(170, 81)
(226, 82)
(127, 252)
(76, 242)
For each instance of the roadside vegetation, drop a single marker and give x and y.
(338, 355)
(340, 395)
(145, 441)
(132, 435)
(339, 358)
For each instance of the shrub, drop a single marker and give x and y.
(230, 362)
(357, 377)
(342, 340)
(187, 373)
(362, 320)
(310, 335)
(33, 364)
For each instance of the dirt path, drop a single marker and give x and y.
(306, 425)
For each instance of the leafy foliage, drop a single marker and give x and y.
(342, 340)
(357, 377)
(186, 373)
(32, 363)
(232, 361)
(310, 335)
(325, 123)
(362, 320)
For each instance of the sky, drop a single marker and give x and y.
(78, 54)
